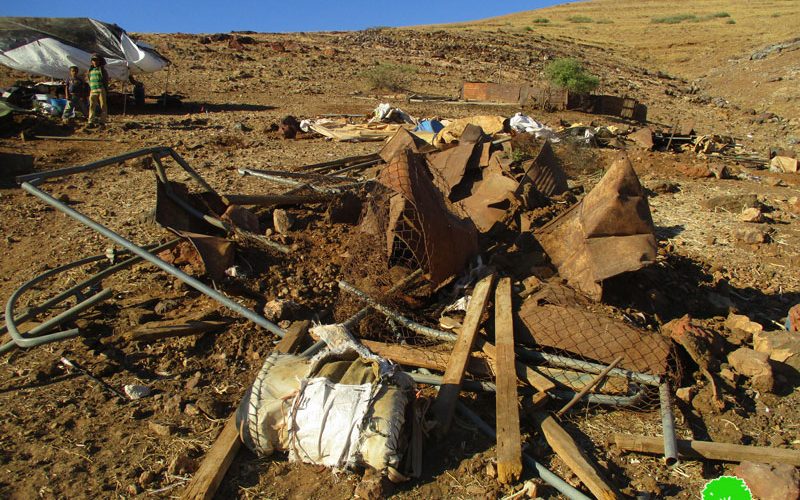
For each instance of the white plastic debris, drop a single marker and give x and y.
(526, 124)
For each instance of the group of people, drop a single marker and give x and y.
(91, 94)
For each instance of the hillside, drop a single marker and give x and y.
(709, 42)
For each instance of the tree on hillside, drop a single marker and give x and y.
(568, 73)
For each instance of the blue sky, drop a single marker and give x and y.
(205, 16)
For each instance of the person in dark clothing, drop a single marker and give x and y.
(76, 92)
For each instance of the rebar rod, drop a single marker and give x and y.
(600, 376)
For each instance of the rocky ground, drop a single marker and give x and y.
(64, 436)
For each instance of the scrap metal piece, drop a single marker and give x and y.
(420, 222)
(491, 200)
(545, 173)
(206, 255)
(401, 141)
(592, 336)
(509, 93)
(643, 138)
(609, 232)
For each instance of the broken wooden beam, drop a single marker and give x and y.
(708, 450)
(509, 441)
(209, 475)
(295, 335)
(444, 406)
(212, 470)
(430, 358)
(524, 372)
(157, 330)
(571, 454)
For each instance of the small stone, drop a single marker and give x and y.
(280, 309)
(182, 464)
(781, 346)
(491, 470)
(751, 236)
(754, 365)
(694, 171)
(161, 429)
(191, 410)
(720, 171)
(770, 481)
(146, 478)
(751, 215)
(685, 394)
(194, 381)
(282, 221)
(134, 489)
(135, 391)
(165, 306)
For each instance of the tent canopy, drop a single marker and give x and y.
(48, 46)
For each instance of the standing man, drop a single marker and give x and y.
(98, 90)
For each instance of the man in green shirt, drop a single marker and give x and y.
(98, 90)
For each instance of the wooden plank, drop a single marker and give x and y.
(294, 337)
(445, 404)
(524, 372)
(509, 441)
(424, 357)
(568, 450)
(157, 330)
(212, 470)
(707, 450)
(218, 459)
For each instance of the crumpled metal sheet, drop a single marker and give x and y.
(420, 221)
(171, 215)
(206, 255)
(607, 233)
(400, 142)
(643, 138)
(451, 164)
(545, 173)
(592, 336)
(491, 199)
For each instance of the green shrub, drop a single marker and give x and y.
(388, 76)
(540, 20)
(730, 21)
(579, 19)
(718, 15)
(528, 28)
(568, 73)
(604, 21)
(676, 19)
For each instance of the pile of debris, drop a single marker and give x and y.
(448, 273)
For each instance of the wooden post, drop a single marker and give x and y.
(524, 372)
(509, 441)
(445, 404)
(212, 470)
(158, 330)
(707, 450)
(572, 455)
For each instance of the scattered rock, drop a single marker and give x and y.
(194, 381)
(134, 489)
(770, 481)
(720, 171)
(751, 236)
(734, 203)
(694, 171)
(146, 478)
(742, 328)
(212, 407)
(685, 394)
(282, 221)
(241, 127)
(280, 309)
(135, 391)
(751, 215)
(182, 464)
(165, 306)
(370, 487)
(666, 188)
(781, 346)
(754, 365)
(161, 429)
(491, 470)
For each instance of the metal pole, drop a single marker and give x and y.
(544, 473)
(36, 177)
(668, 425)
(588, 387)
(586, 366)
(174, 271)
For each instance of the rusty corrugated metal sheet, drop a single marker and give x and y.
(545, 173)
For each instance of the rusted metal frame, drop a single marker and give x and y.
(329, 165)
(220, 224)
(170, 269)
(271, 174)
(73, 291)
(37, 177)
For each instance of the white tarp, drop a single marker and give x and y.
(49, 46)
